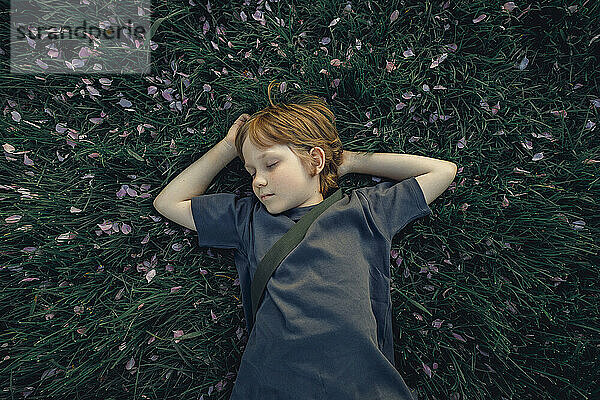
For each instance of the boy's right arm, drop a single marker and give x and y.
(174, 201)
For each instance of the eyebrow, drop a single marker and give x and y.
(263, 155)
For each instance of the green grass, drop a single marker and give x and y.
(515, 283)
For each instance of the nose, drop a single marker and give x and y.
(259, 181)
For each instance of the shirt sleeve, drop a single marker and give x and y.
(221, 220)
(392, 205)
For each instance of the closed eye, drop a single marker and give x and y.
(268, 166)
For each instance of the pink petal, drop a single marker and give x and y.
(523, 64)
(537, 156)
(130, 364)
(65, 236)
(459, 337)
(12, 219)
(150, 274)
(124, 103)
(177, 246)
(408, 53)
(427, 370)
(27, 160)
(508, 6)
(126, 229)
(61, 128)
(175, 288)
(394, 16)
(30, 279)
(437, 323)
(8, 148)
(105, 226)
(479, 19)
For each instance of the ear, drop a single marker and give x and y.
(318, 159)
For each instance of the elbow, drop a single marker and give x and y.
(453, 168)
(158, 206)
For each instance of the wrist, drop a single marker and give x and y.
(347, 160)
(228, 146)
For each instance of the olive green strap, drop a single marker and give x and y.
(283, 247)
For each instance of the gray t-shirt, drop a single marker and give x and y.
(323, 329)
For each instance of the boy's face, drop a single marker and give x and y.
(279, 172)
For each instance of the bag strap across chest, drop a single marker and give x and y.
(283, 247)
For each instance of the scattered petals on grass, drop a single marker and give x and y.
(459, 337)
(523, 64)
(508, 6)
(408, 53)
(27, 161)
(437, 323)
(176, 334)
(130, 364)
(124, 103)
(438, 61)
(150, 275)
(125, 228)
(578, 225)
(65, 236)
(427, 370)
(479, 19)
(12, 219)
(177, 246)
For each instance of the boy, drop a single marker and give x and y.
(323, 329)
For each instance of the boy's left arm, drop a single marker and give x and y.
(433, 175)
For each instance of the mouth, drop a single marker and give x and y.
(265, 196)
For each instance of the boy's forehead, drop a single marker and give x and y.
(260, 153)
